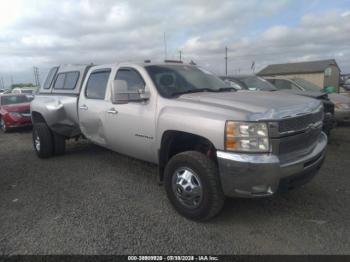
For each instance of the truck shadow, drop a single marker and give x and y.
(304, 200)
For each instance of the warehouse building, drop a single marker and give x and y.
(322, 73)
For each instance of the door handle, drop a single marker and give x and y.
(112, 111)
(84, 107)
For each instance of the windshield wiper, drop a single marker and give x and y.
(222, 89)
(225, 89)
(192, 91)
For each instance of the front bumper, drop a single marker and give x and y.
(342, 115)
(13, 122)
(329, 123)
(258, 175)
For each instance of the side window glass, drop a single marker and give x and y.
(294, 87)
(71, 80)
(97, 84)
(282, 84)
(60, 81)
(50, 77)
(132, 78)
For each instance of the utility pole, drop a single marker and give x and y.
(226, 60)
(36, 76)
(165, 47)
(180, 52)
(2, 83)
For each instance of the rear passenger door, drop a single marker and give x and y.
(92, 105)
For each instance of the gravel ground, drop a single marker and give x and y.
(94, 201)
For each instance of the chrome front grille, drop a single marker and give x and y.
(300, 142)
(296, 135)
(299, 123)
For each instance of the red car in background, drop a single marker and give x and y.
(14, 111)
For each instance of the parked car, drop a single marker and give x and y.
(208, 140)
(346, 85)
(341, 101)
(30, 92)
(256, 83)
(14, 111)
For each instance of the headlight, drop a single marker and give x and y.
(15, 114)
(247, 137)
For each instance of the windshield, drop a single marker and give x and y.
(172, 80)
(27, 91)
(257, 83)
(9, 100)
(308, 86)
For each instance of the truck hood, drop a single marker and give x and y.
(23, 107)
(256, 105)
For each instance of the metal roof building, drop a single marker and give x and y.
(322, 73)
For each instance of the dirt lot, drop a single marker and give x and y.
(94, 201)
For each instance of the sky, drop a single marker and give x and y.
(47, 33)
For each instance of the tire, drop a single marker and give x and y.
(3, 126)
(204, 173)
(42, 132)
(59, 144)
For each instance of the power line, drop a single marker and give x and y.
(36, 76)
(226, 60)
(2, 83)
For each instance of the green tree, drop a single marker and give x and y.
(20, 85)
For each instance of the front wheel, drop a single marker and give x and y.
(42, 140)
(193, 186)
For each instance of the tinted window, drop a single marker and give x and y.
(27, 91)
(172, 80)
(71, 80)
(257, 83)
(66, 80)
(132, 78)
(308, 86)
(60, 81)
(97, 84)
(50, 77)
(8, 100)
(285, 84)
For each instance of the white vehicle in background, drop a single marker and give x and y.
(24, 90)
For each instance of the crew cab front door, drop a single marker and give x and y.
(130, 127)
(92, 106)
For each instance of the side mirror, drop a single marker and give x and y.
(122, 95)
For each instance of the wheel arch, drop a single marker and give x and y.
(37, 117)
(174, 142)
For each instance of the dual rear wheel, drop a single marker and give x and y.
(47, 143)
(191, 178)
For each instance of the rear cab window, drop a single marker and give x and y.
(67, 80)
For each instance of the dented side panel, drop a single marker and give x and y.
(59, 111)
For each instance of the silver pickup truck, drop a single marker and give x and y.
(208, 141)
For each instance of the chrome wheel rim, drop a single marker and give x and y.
(187, 187)
(36, 141)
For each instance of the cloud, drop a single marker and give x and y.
(46, 33)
